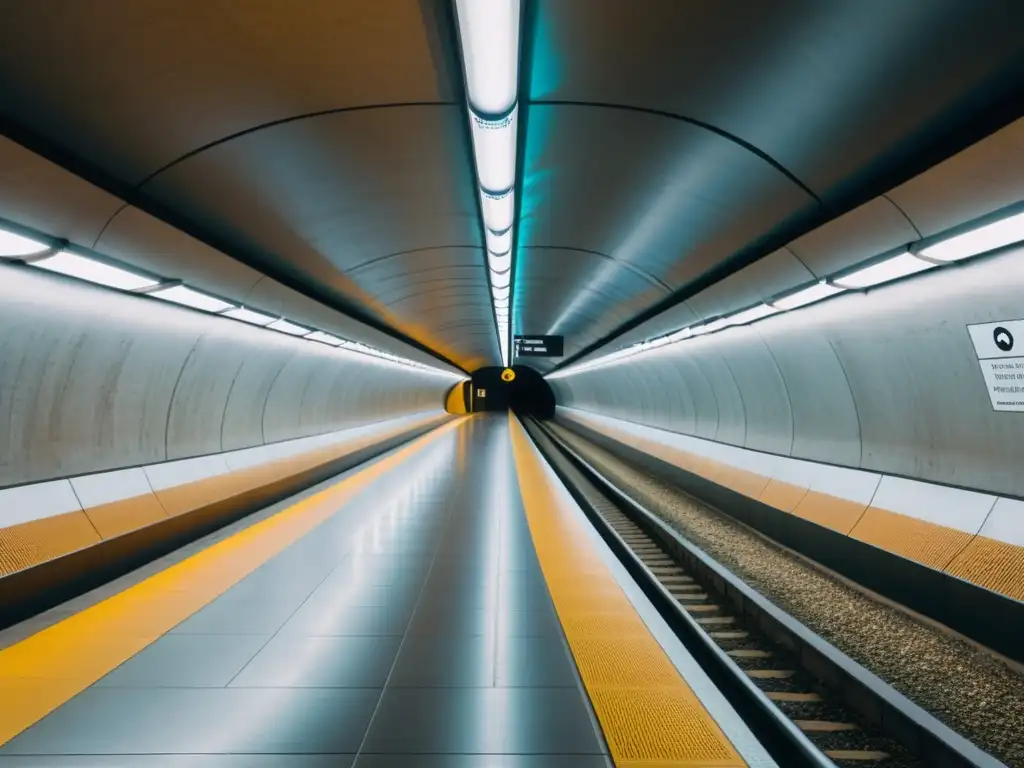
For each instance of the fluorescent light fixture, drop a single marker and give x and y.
(325, 338)
(805, 296)
(977, 241)
(179, 294)
(891, 269)
(249, 316)
(500, 262)
(500, 279)
(500, 243)
(752, 315)
(94, 271)
(498, 211)
(291, 329)
(489, 31)
(12, 246)
(714, 325)
(494, 145)
(500, 293)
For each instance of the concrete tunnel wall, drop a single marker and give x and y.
(866, 414)
(885, 380)
(94, 380)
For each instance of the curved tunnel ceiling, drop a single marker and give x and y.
(661, 141)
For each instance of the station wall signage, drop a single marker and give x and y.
(539, 346)
(1000, 350)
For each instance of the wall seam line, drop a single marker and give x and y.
(227, 399)
(785, 388)
(174, 394)
(856, 409)
(84, 512)
(266, 399)
(975, 535)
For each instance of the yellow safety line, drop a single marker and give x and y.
(649, 715)
(43, 671)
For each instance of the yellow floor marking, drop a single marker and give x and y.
(649, 715)
(43, 671)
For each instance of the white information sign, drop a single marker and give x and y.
(1000, 350)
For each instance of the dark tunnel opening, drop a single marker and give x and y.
(527, 394)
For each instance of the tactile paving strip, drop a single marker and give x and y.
(668, 715)
(649, 714)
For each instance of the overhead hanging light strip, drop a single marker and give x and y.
(38, 253)
(979, 240)
(489, 36)
(94, 271)
(944, 248)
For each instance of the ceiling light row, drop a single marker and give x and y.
(489, 36)
(974, 240)
(55, 257)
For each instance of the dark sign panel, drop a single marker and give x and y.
(538, 346)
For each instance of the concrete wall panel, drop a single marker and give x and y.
(243, 414)
(202, 390)
(93, 380)
(825, 424)
(732, 422)
(884, 380)
(766, 411)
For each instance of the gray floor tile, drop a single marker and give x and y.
(182, 761)
(475, 621)
(373, 620)
(535, 623)
(482, 721)
(321, 662)
(187, 661)
(446, 662)
(483, 761)
(534, 662)
(238, 617)
(205, 721)
(332, 596)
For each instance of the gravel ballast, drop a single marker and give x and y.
(965, 687)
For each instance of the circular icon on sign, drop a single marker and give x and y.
(1003, 339)
(508, 374)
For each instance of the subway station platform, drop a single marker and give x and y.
(443, 605)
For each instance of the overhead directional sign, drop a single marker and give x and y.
(539, 346)
(1000, 350)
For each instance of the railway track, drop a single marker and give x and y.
(809, 703)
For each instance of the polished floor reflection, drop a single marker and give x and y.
(413, 628)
